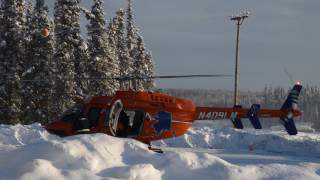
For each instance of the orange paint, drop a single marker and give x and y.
(154, 115)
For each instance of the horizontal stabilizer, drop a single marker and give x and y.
(253, 117)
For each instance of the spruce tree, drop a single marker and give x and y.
(2, 27)
(149, 71)
(102, 59)
(66, 17)
(2, 64)
(112, 48)
(131, 32)
(125, 62)
(11, 55)
(26, 31)
(132, 47)
(143, 67)
(81, 58)
(38, 92)
(80, 50)
(142, 60)
(28, 23)
(139, 66)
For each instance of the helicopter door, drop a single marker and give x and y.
(114, 116)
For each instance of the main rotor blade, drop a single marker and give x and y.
(175, 76)
(136, 77)
(190, 76)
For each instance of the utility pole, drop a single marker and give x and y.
(239, 20)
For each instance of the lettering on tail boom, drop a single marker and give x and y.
(215, 115)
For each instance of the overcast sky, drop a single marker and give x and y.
(194, 37)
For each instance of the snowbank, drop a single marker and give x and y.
(204, 136)
(29, 152)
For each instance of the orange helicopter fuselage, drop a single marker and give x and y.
(161, 116)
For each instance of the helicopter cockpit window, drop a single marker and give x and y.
(72, 114)
(93, 116)
(114, 116)
(106, 118)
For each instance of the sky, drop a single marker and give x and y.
(279, 38)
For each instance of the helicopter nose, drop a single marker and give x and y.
(56, 128)
(59, 133)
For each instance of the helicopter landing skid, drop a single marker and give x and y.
(154, 149)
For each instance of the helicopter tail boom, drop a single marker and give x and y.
(288, 111)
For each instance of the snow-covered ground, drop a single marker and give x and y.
(29, 152)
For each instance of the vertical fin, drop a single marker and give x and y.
(290, 126)
(252, 115)
(291, 101)
(291, 104)
(235, 120)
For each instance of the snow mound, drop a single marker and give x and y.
(29, 152)
(229, 138)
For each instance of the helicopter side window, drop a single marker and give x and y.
(131, 121)
(72, 114)
(138, 121)
(93, 116)
(123, 124)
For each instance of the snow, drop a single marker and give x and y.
(28, 71)
(30, 152)
(3, 43)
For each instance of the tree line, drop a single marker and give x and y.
(46, 65)
(269, 97)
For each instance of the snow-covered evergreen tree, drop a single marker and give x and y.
(28, 22)
(38, 92)
(125, 62)
(11, 55)
(132, 48)
(112, 48)
(149, 71)
(131, 31)
(21, 13)
(80, 48)
(139, 66)
(2, 27)
(26, 31)
(81, 61)
(143, 67)
(66, 20)
(142, 60)
(102, 58)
